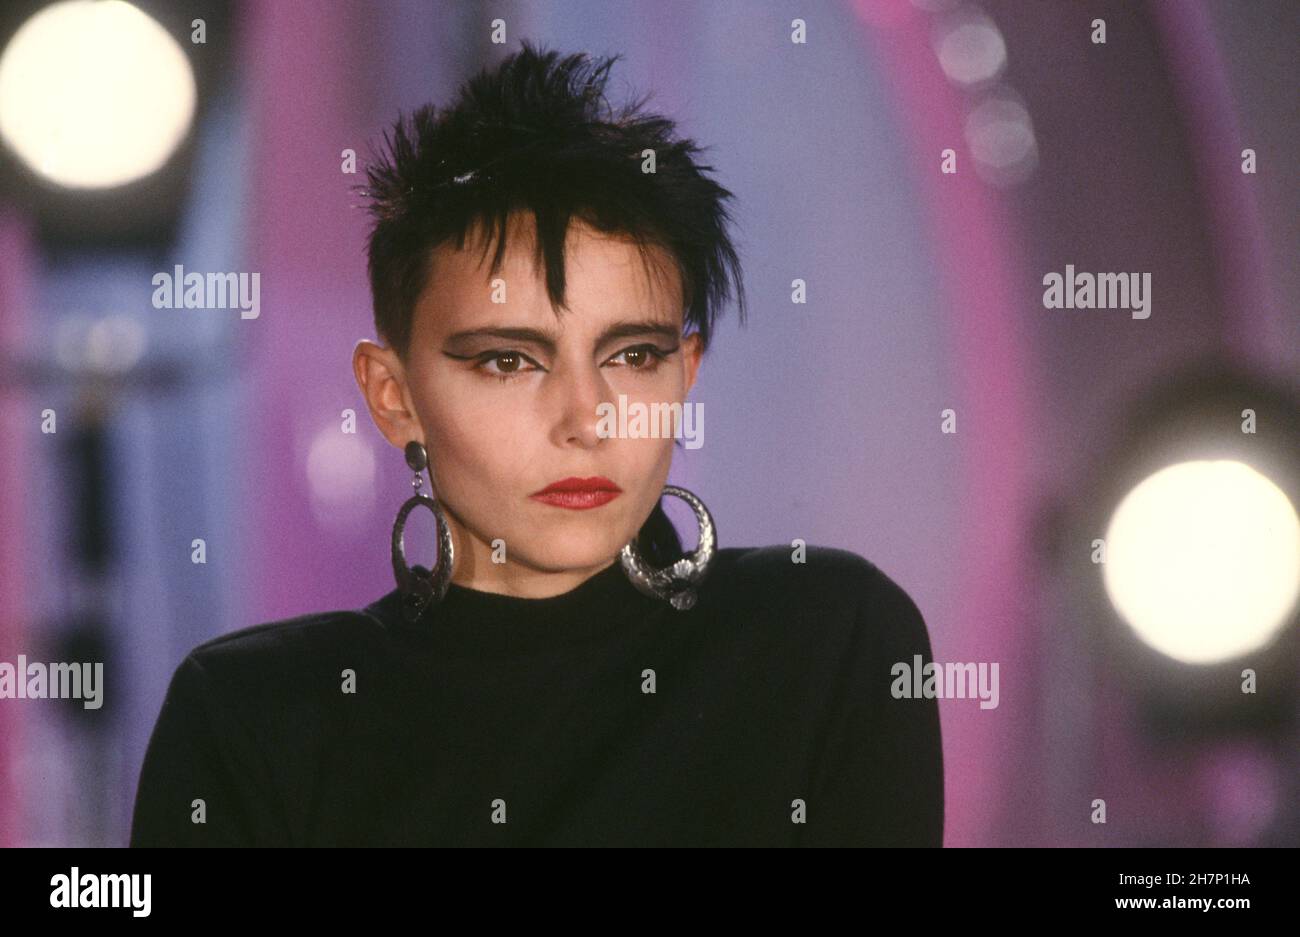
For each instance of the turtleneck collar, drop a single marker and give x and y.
(472, 621)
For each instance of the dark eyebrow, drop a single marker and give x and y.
(546, 340)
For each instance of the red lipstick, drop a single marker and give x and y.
(578, 494)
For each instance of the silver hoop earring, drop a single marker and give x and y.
(421, 588)
(675, 584)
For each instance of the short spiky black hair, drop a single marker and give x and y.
(537, 134)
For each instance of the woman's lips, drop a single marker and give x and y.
(578, 494)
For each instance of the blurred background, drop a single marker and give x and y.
(1103, 505)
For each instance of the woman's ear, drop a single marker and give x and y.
(382, 380)
(693, 352)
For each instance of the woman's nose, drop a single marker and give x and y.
(579, 391)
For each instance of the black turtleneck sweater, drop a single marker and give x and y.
(762, 716)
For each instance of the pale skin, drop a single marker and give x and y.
(512, 415)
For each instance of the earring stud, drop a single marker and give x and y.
(421, 588)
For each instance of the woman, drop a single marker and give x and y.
(562, 676)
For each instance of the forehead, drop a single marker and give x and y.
(607, 277)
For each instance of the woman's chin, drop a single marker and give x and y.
(565, 551)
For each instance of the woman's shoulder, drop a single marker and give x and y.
(281, 648)
(807, 568)
(797, 557)
(829, 584)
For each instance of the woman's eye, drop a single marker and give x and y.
(641, 357)
(509, 364)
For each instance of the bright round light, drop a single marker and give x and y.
(971, 51)
(1203, 560)
(341, 472)
(94, 93)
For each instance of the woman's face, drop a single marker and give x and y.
(504, 395)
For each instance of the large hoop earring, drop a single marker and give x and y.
(675, 584)
(421, 588)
